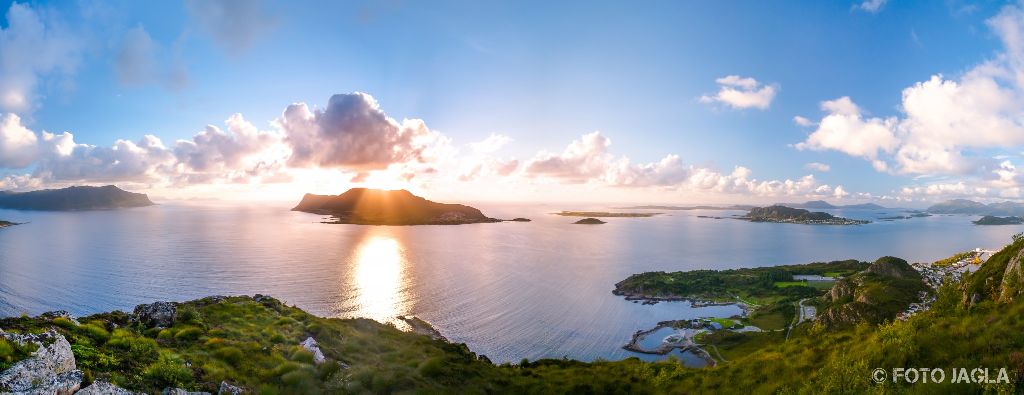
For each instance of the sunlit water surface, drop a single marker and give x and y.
(508, 290)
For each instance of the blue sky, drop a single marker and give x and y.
(541, 73)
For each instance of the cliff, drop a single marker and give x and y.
(74, 198)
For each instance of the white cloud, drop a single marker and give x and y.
(740, 93)
(588, 160)
(948, 127)
(33, 46)
(871, 6)
(816, 166)
(844, 129)
(18, 144)
(354, 133)
(801, 121)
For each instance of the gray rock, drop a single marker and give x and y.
(228, 389)
(100, 387)
(179, 391)
(310, 345)
(51, 366)
(159, 314)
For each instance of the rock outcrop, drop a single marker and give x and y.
(51, 368)
(159, 314)
(179, 391)
(310, 345)
(1013, 279)
(228, 389)
(100, 387)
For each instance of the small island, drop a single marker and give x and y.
(993, 220)
(604, 214)
(4, 224)
(73, 199)
(789, 215)
(362, 206)
(519, 219)
(589, 221)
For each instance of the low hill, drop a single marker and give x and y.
(779, 213)
(993, 220)
(874, 295)
(74, 198)
(364, 206)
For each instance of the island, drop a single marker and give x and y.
(604, 214)
(4, 224)
(362, 206)
(789, 215)
(74, 198)
(589, 221)
(519, 219)
(993, 220)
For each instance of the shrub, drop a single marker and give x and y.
(95, 332)
(230, 355)
(135, 352)
(189, 315)
(64, 322)
(169, 371)
(188, 334)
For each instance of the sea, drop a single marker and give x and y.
(512, 290)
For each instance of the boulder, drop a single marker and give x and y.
(100, 387)
(310, 345)
(228, 389)
(159, 314)
(51, 315)
(1013, 279)
(51, 366)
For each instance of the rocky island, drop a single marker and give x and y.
(789, 215)
(993, 220)
(589, 221)
(362, 206)
(604, 214)
(74, 198)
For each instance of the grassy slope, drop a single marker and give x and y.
(253, 344)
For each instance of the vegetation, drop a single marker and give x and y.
(779, 213)
(874, 295)
(973, 323)
(757, 285)
(993, 220)
(954, 259)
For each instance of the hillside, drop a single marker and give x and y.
(379, 207)
(993, 220)
(74, 198)
(778, 213)
(874, 295)
(256, 345)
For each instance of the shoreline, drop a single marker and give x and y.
(665, 347)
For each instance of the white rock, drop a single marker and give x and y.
(100, 387)
(52, 365)
(228, 389)
(310, 345)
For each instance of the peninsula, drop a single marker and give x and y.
(74, 198)
(362, 206)
(789, 215)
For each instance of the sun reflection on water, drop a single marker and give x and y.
(379, 271)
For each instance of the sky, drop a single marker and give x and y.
(895, 102)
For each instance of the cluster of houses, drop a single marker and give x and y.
(935, 275)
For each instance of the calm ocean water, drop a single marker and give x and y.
(508, 290)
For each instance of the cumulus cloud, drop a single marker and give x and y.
(234, 24)
(872, 6)
(18, 144)
(588, 160)
(816, 166)
(354, 133)
(948, 126)
(740, 93)
(34, 46)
